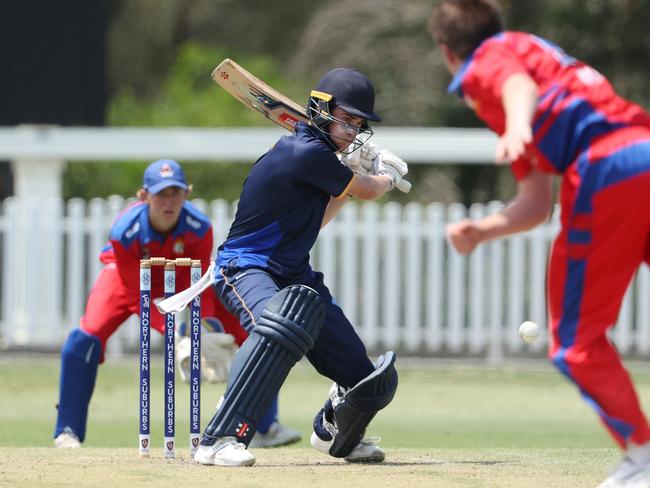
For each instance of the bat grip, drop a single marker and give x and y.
(404, 186)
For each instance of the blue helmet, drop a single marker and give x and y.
(348, 89)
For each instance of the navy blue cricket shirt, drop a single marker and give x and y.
(282, 204)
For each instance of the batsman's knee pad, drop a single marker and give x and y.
(286, 329)
(347, 413)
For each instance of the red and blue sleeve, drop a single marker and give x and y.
(490, 66)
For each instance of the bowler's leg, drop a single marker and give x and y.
(592, 263)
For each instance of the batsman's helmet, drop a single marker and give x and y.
(348, 89)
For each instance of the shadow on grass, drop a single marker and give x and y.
(339, 463)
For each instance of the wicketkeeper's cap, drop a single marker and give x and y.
(162, 174)
(350, 90)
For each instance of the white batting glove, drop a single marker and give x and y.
(364, 160)
(390, 164)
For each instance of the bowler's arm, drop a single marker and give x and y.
(519, 98)
(531, 206)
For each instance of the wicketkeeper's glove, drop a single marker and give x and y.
(217, 351)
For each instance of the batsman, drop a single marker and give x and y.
(265, 279)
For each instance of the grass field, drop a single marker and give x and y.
(451, 424)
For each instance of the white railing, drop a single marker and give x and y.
(389, 267)
(39, 152)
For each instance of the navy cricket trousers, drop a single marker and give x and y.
(338, 353)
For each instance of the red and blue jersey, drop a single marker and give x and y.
(282, 204)
(600, 143)
(132, 238)
(577, 106)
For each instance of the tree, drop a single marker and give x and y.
(169, 49)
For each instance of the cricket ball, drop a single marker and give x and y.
(529, 331)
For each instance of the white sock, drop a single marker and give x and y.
(640, 454)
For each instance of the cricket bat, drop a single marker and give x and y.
(259, 96)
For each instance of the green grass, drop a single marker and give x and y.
(437, 405)
(444, 417)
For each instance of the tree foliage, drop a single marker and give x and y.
(162, 53)
(187, 97)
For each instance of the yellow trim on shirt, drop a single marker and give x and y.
(345, 190)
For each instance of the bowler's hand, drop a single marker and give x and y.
(464, 236)
(512, 144)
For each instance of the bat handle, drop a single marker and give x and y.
(404, 186)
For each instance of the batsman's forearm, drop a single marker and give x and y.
(333, 208)
(370, 187)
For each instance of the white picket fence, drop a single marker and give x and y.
(389, 267)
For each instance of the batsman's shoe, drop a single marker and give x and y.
(67, 440)
(226, 451)
(277, 435)
(628, 474)
(367, 451)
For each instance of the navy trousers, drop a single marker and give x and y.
(338, 354)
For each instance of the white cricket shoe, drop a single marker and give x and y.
(226, 451)
(277, 435)
(67, 440)
(367, 451)
(628, 474)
